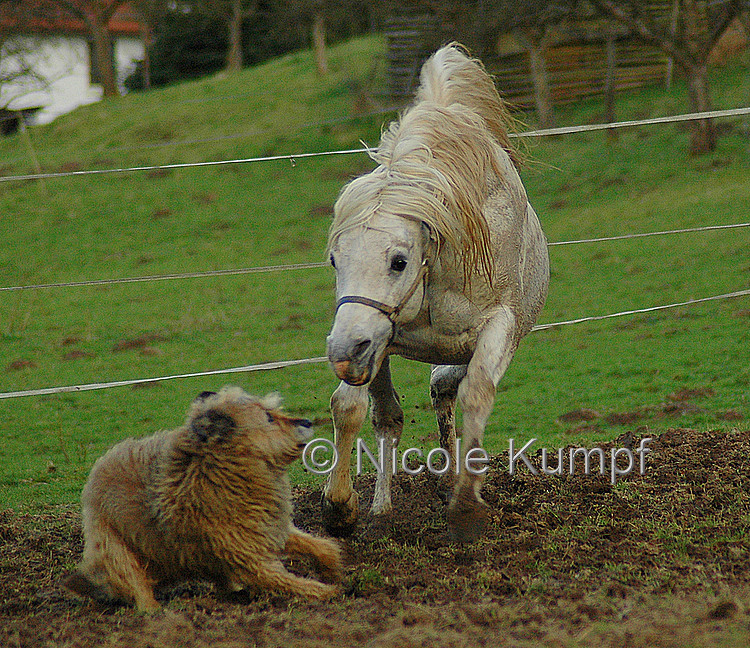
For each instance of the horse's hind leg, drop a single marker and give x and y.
(388, 423)
(444, 381)
(340, 500)
(467, 512)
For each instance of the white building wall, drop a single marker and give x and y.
(62, 62)
(128, 51)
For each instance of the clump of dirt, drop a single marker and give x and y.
(77, 354)
(624, 418)
(204, 198)
(69, 167)
(676, 404)
(160, 212)
(730, 415)
(656, 559)
(578, 415)
(686, 393)
(324, 210)
(140, 342)
(18, 365)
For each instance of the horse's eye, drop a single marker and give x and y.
(398, 263)
(270, 417)
(333, 262)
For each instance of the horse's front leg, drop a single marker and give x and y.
(388, 423)
(467, 512)
(340, 500)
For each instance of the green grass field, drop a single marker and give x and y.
(191, 220)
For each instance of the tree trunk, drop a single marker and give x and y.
(537, 47)
(319, 44)
(234, 55)
(703, 131)
(147, 43)
(610, 84)
(102, 52)
(672, 31)
(744, 18)
(690, 46)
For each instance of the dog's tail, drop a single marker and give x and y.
(451, 77)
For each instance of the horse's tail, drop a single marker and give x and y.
(450, 76)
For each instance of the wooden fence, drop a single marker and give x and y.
(579, 70)
(576, 67)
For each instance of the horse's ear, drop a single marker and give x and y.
(431, 239)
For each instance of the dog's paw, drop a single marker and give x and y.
(323, 592)
(329, 562)
(147, 606)
(80, 584)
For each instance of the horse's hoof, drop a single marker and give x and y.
(467, 517)
(377, 525)
(340, 518)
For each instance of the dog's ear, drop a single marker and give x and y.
(212, 423)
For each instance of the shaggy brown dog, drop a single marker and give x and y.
(208, 500)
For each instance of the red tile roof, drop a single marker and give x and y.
(44, 16)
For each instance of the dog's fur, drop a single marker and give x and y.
(208, 500)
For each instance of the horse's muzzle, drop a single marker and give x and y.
(357, 342)
(352, 362)
(350, 374)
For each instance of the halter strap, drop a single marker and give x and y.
(391, 312)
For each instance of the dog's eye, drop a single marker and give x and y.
(270, 417)
(398, 263)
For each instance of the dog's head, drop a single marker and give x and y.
(232, 423)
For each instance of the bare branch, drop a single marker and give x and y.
(732, 10)
(628, 14)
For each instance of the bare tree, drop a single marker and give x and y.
(233, 13)
(688, 40)
(96, 15)
(22, 59)
(151, 12)
(535, 38)
(532, 23)
(19, 75)
(319, 37)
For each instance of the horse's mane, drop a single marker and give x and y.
(435, 161)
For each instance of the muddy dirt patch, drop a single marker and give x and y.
(660, 559)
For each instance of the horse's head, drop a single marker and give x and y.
(380, 270)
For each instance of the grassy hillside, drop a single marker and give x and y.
(633, 372)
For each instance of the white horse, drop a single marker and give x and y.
(439, 258)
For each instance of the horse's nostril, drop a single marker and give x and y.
(360, 349)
